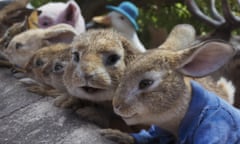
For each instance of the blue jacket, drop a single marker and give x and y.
(209, 120)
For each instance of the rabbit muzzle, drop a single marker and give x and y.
(124, 110)
(91, 90)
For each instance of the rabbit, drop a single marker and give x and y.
(48, 63)
(25, 44)
(47, 66)
(163, 87)
(13, 30)
(98, 59)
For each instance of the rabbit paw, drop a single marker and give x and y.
(43, 91)
(28, 81)
(66, 101)
(18, 72)
(117, 136)
(94, 115)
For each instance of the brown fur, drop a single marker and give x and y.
(41, 67)
(49, 57)
(93, 48)
(12, 31)
(183, 36)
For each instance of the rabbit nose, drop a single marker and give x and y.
(88, 76)
(46, 72)
(117, 108)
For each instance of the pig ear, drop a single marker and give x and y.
(71, 12)
(205, 58)
(59, 33)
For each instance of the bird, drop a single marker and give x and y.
(123, 18)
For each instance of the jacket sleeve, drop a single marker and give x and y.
(154, 135)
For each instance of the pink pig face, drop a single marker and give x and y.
(57, 12)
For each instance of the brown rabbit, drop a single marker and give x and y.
(24, 45)
(98, 59)
(13, 30)
(47, 66)
(158, 88)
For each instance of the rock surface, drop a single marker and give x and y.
(27, 118)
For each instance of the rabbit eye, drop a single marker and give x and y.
(76, 56)
(58, 67)
(18, 45)
(121, 17)
(145, 83)
(112, 59)
(39, 62)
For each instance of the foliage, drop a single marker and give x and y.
(37, 3)
(162, 14)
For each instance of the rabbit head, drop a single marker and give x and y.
(154, 88)
(24, 45)
(48, 64)
(99, 58)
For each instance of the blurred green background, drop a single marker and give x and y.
(157, 17)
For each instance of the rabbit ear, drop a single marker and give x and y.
(130, 50)
(205, 58)
(180, 37)
(59, 33)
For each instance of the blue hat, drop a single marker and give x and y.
(127, 9)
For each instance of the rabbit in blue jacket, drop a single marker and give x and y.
(158, 88)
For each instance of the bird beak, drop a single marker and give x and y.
(33, 19)
(105, 20)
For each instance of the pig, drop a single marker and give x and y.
(54, 13)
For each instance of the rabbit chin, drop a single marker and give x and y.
(135, 119)
(91, 93)
(140, 119)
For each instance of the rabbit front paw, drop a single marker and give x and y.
(43, 91)
(117, 136)
(63, 101)
(66, 101)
